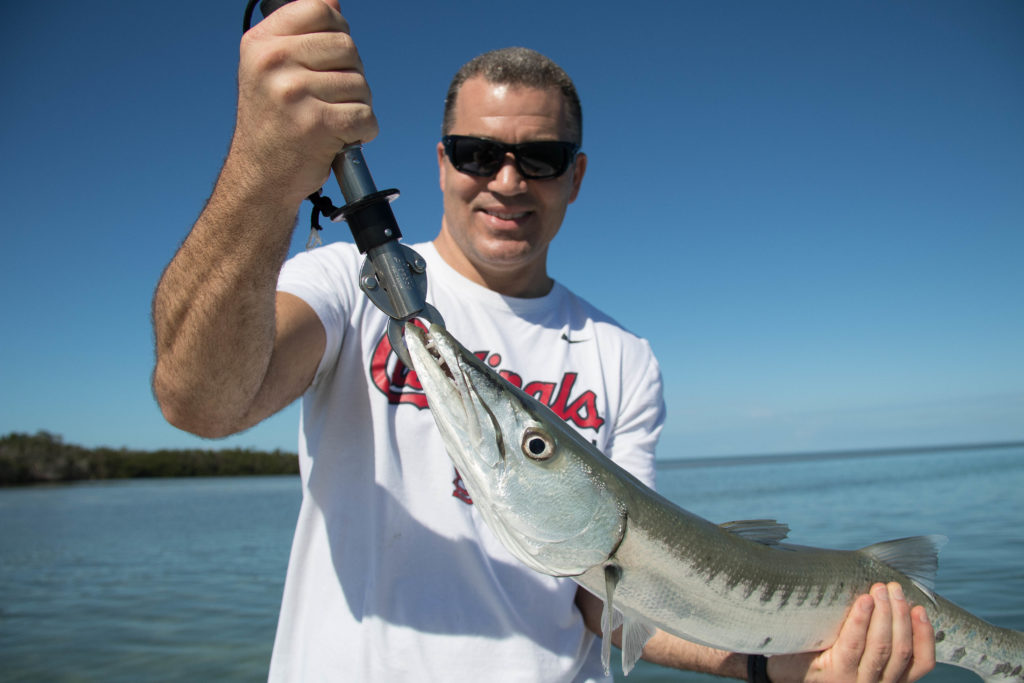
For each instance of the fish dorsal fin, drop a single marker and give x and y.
(635, 635)
(763, 531)
(611, 580)
(917, 557)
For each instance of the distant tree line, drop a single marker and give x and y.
(44, 457)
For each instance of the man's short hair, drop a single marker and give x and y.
(517, 66)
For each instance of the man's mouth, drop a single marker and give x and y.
(507, 215)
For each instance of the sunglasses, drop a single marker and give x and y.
(534, 160)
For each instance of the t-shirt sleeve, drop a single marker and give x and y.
(641, 417)
(326, 279)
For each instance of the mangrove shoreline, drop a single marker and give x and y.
(44, 458)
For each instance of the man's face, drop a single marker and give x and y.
(502, 225)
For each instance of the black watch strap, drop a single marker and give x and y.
(757, 669)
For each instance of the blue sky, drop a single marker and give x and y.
(814, 211)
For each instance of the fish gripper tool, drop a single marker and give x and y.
(393, 275)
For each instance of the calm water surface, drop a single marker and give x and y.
(181, 579)
(143, 580)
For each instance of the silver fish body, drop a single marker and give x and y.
(564, 509)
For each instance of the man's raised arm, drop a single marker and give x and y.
(229, 350)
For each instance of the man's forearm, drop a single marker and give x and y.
(676, 653)
(665, 649)
(213, 312)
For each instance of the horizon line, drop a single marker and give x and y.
(748, 459)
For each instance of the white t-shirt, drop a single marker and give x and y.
(393, 575)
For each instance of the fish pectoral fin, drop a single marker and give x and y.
(917, 557)
(635, 635)
(612, 574)
(763, 531)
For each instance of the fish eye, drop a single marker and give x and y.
(537, 444)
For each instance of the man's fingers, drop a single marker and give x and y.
(336, 103)
(849, 647)
(316, 51)
(353, 123)
(902, 641)
(326, 51)
(878, 645)
(333, 4)
(923, 659)
(302, 16)
(882, 639)
(339, 87)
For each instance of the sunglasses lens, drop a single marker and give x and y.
(543, 159)
(477, 157)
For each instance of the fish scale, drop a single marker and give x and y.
(736, 587)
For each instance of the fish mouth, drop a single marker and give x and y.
(426, 350)
(469, 428)
(439, 373)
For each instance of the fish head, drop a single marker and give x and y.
(531, 476)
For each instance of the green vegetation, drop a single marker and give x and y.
(44, 457)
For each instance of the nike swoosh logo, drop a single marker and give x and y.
(565, 337)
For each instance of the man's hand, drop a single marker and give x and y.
(883, 639)
(302, 96)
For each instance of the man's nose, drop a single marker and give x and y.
(508, 180)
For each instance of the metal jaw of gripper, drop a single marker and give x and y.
(394, 276)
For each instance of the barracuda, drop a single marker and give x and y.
(564, 509)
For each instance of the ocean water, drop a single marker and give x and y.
(143, 580)
(181, 579)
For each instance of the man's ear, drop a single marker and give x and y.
(441, 166)
(579, 168)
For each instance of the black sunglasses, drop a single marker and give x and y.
(534, 160)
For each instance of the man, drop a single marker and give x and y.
(392, 573)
